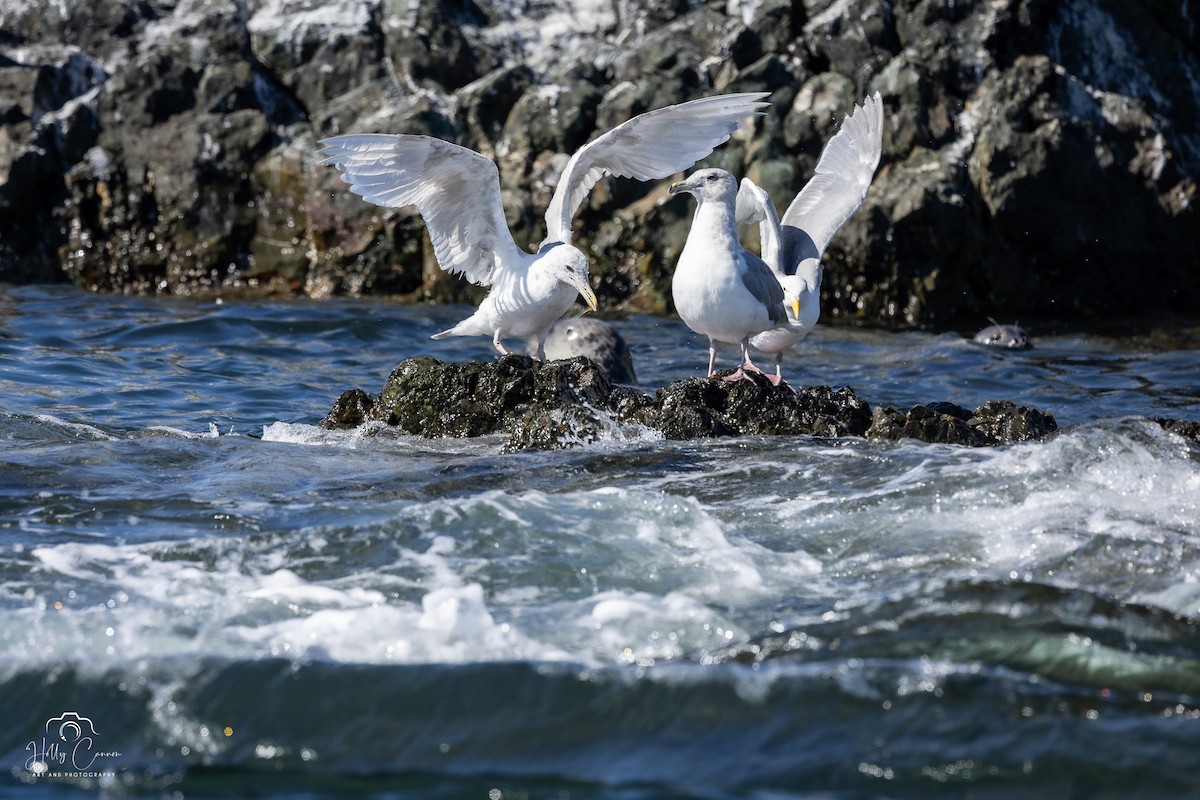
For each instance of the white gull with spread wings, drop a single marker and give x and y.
(457, 192)
(792, 248)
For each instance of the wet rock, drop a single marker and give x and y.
(993, 423)
(351, 409)
(946, 424)
(440, 44)
(571, 402)
(701, 407)
(539, 406)
(1188, 429)
(430, 398)
(1004, 422)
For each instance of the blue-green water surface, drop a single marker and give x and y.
(233, 602)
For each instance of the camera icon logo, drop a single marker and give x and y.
(69, 727)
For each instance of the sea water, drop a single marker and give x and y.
(204, 594)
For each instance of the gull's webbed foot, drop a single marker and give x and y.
(742, 374)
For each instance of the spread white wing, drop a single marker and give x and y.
(755, 205)
(650, 146)
(838, 186)
(456, 190)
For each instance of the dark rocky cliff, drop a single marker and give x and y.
(1040, 157)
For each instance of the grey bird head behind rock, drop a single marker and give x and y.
(1011, 337)
(595, 339)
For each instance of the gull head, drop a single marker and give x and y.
(802, 298)
(795, 291)
(708, 184)
(570, 266)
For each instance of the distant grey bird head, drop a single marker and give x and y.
(1012, 337)
(708, 184)
(596, 339)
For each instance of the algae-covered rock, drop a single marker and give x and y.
(1006, 422)
(351, 409)
(944, 425)
(572, 402)
(431, 398)
(539, 406)
(700, 407)
(993, 423)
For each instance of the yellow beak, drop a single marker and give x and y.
(588, 296)
(795, 304)
(675, 188)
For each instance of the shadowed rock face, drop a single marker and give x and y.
(700, 407)
(169, 147)
(571, 402)
(993, 423)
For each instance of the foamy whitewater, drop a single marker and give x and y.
(238, 602)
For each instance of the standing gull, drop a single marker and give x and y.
(457, 192)
(792, 248)
(720, 289)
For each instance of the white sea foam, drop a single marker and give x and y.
(652, 573)
(212, 433)
(378, 436)
(227, 604)
(639, 627)
(68, 561)
(1036, 511)
(615, 574)
(655, 539)
(369, 434)
(77, 428)
(452, 624)
(301, 433)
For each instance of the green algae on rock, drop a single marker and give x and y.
(571, 402)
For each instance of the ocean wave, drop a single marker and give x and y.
(608, 575)
(846, 724)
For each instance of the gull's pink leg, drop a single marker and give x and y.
(747, 365)
(496, 343)
(778, 379)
